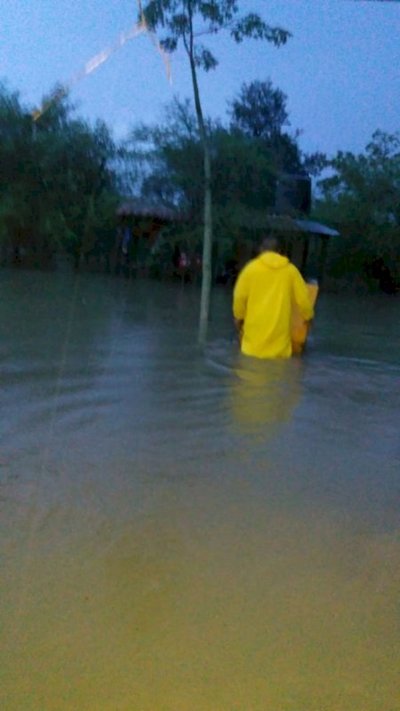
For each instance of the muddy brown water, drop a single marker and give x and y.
(188, 531)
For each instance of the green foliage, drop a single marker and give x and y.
(314, 163)
(251, 26)
(362, 198)
(175, 18)
(259, 110)
(56, 178)
(170, 160)
(244, 169)
(244, 173)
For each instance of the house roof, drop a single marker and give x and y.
(142, 208)
(255, 219)
(316, 228)
(284, 223)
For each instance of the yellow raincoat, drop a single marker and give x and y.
(264, 295)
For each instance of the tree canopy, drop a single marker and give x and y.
(58, 184)
(362, 198)
(259, 110)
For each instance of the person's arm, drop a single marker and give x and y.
(301, 296)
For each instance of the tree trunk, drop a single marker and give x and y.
(206, 278)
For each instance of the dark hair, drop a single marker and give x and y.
(271, 243)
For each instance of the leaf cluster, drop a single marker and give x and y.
(362, 198)
(56, 175)
(245, 168)
(186, 20)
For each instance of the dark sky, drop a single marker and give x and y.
(341, 69)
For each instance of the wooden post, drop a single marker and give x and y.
(322, 258)
(306, 247)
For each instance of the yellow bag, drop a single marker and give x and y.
(300, 328)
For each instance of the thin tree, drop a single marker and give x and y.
(178, 20)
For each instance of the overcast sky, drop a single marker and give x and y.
(340, 70)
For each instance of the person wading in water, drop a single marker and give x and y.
(266, 292)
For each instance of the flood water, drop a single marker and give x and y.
(188, 531)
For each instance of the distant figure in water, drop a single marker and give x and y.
(267, 290)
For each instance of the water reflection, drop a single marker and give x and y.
(264, 394)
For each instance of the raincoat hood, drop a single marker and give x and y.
(273, 260)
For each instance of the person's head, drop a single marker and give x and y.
(271, 243)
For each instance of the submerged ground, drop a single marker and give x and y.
(187, 531)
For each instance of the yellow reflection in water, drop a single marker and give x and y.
(264, 393)
(207, 602)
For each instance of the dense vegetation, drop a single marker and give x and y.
(362, 199)
(61, 180)
(58, 183)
